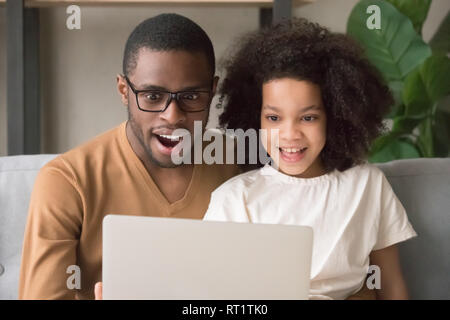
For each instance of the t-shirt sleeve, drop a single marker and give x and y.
(51, 236)
(394, 226)
(227, 204)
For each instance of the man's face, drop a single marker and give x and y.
(172, 71)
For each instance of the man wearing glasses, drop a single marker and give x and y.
(168, 83)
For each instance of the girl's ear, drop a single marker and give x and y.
(122, 88)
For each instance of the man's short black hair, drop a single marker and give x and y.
(166, 32)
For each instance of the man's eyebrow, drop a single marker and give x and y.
(195, 88)
(312, 107)
(159, 88)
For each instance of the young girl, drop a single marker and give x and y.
(328, 103)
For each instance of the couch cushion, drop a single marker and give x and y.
(423, 187)
(17, 175)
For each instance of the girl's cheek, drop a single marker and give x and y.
(266, 137)
(272, 143)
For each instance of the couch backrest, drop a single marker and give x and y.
(17, 175)
(423, 187)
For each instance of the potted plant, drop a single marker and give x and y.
(417, 73)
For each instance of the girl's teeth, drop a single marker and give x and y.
(291, 150)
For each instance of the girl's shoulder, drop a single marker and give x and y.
(239, 182)
(364, 169)
(363, 174)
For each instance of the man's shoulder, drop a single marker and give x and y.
(101, 143)
(88, 154)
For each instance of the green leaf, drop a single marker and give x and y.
(400, 148)
(415, 10)
(406, 124)
(415, 96)
(402, 125)
(396, 88)
(441, 39)
(435, 73)
(425, 140)
(441, 134)
(396, 49)
(381, 142)
(426, 85)
(444, 104)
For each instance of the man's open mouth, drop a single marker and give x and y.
(168, 141)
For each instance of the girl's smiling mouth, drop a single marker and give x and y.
(292, 154)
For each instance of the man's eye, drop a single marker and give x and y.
(272, 118)
(190, 96)
(152, 96)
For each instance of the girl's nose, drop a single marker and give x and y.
(291, 131)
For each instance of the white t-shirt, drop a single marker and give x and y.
(352, 213)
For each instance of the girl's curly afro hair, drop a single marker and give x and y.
(354, 94)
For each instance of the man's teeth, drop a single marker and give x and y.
(173, 138)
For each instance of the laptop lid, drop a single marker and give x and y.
(170, 258)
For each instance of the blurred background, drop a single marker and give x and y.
(78, 68)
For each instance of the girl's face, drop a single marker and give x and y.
(295, 108)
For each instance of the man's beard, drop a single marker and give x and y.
(138, 133)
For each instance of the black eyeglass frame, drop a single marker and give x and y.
(172, 95)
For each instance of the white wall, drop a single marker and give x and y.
(332, 14)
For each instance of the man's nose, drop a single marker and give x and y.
(173, 114)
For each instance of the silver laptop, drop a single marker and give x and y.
(170, 258)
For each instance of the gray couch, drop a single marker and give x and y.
(422, 185)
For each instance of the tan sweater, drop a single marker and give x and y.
(73, 193)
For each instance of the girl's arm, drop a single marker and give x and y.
(393, 285)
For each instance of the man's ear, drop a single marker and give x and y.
(214, 87)
(122, 88)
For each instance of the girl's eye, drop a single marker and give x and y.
(272, 118)
(309, 118)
